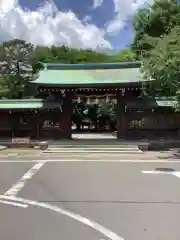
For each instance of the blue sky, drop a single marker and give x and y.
(98, 24)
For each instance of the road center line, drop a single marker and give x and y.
(14, 204)
(13, 191)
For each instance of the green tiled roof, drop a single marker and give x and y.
(166, 103)
(42, 104)
(152, 103)
(87, 77)
(27, 104)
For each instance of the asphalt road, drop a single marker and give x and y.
(89, 200)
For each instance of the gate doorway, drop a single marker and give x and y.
(94, 115)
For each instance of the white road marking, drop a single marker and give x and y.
(156, 172)
(13, 191)
(14, 204)
(94, 225)
(90, 160)
(177, 174)
(174, 173)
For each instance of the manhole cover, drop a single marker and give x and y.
(165, 169)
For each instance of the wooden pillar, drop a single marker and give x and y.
(36, 129)
(65, 123)
(37, 126)
(121, 115)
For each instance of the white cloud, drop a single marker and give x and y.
(124, 10)
(97, 3)
(48, 26)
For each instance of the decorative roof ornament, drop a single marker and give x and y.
(123, 91)
(79, 100)
(63, 92)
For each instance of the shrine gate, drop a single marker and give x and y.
(60, 84)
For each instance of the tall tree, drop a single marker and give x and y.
(157, 42)
(163, 65)
(16, 68)
(153, 22)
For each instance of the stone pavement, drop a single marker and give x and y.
(22, 153)
(88, 200)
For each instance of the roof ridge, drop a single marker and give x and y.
(22, 100)
(130, 64)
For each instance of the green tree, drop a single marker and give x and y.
(16, 69)
(157, 44)
(106, 114)
(79, 109)
(124, 56)
(153, 22)
(20, 62)
(163, 65)
(63, 54)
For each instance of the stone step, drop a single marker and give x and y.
(94, 143)
(88, 150)
(96, 152)
(93, 148)
(84, 146)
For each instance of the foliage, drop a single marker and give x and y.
(163, 65)
(99, 114)
(64, 54)
(157, 42)
(93, 111)
(16, 69)
(124, 55)
(79, 112)
(20, 61)
(153, 22)
(107, 114)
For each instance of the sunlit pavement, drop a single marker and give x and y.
(36, 154)
(116, 198)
